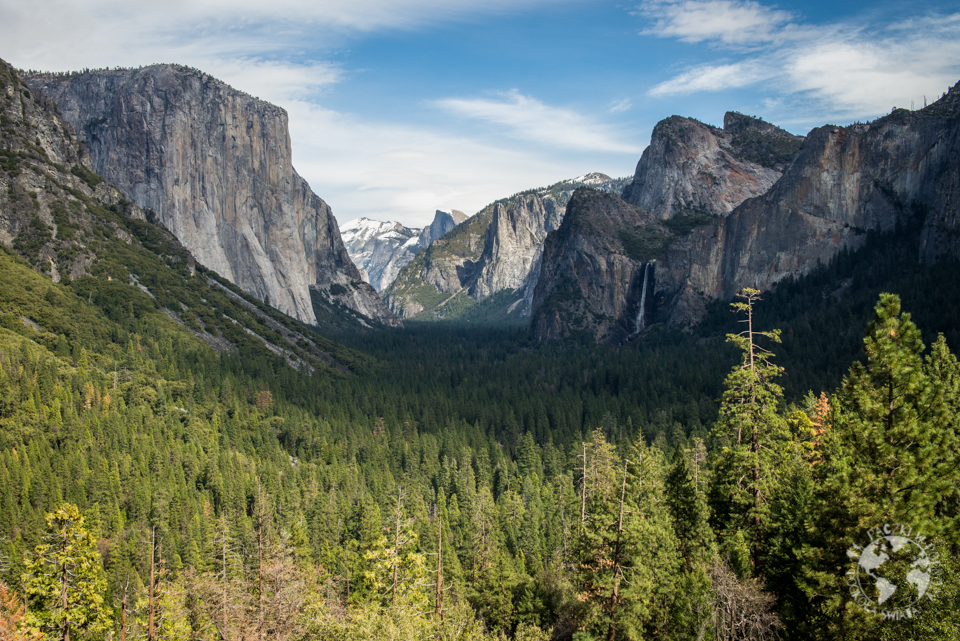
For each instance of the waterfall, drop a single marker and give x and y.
(643, 300)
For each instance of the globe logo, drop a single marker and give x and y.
(895, 571)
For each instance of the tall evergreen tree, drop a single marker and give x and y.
(889, 457)
(749, 424)
(689, 511)
(64, 579)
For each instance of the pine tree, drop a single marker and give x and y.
(64, 579)
(750, 423)
(889, 456)
(689, 511)
(628, 559)
(893, 424)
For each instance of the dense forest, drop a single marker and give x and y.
(460, 480)
(180, 461)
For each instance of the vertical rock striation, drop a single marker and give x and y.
(214, 164)
(902, 169)
(595, 277)
(489, 266)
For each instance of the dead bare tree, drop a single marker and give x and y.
(742, 611)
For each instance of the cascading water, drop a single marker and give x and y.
(643, 300)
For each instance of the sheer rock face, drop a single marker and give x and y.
(214, 164)
(898, 170)
(442, 223)
(693, 168)
(590, 283)
(381, 249)
(494, 258)
(498, 249)
(35, 183)
(512, 252)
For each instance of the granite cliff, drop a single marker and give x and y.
(487, 267)
(214, 165)
(102, 262)
(901, 169)
(596, 275)
(691, 168)
(898, 170)
(381, 249)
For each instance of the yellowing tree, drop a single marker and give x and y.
(64, 579)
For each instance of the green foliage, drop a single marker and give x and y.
(895, 418)
(773, 151)
(687, 220)
(750, 426)
(64, 580)
(689, 511)
(86, 176)
(644, 244)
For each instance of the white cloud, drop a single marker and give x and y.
(713, 78)
(858, 75)
(849, 70)
(390, 172)
(620, 106)
(65, 34)
(730, 22)
(527, 118)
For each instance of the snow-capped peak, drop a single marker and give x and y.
(593, 178)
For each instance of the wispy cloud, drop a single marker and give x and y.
(620, 106)
(272, 80)
(713, 78)
(393, 172)
(848, 70)
(527, 118)
(65, 34)
(730, 22)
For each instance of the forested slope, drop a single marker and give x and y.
(178, 461)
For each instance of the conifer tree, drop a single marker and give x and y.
(750, 424)
(889, 457)
(64, 579)
(689, 511)
(894, 442)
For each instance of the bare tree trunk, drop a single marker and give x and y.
(396, 547)
(583, 492)
(123, 613)
(260, 616)
(438, 608)
(153, 567)
(64, 603)
(616, 561)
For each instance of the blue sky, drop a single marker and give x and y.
(401, 107)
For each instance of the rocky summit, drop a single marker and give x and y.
(596, 271)
(694, 168)
(381, 249)
(214, 166)
(710, 213)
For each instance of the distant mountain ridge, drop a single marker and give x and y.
(487, 267)
(214, 164)
(381, 249)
